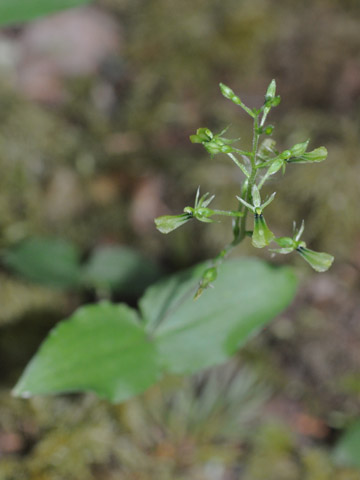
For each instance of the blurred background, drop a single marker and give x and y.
(96, 108)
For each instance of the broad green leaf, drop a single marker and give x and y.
(16, 11)
(120, 268)
(191, 335)
(101, 348)
(104, 348)
(347, 449)
(48, 261)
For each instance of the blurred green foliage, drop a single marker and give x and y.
(16, 11)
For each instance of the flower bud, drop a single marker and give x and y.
(202, 135)
(268, 129)
(271, 90)
(229, 94)
(209, 276)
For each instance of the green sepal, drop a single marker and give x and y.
(202, 135)
(272, 102)
(195, 139)
(262, 235)
(271, 90)
(256, 199)
(299, 149)
(203, 214)
(168, 223)
(215, 147)
(275, 166)
(319, 261)
(267, 130)
(287, 245)
(285, 155)
(213, 143)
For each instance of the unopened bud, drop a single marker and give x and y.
(229, 94)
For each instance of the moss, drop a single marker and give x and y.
(317, 464)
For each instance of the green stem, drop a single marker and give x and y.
(239, 229)
(252, 178)
(228, 214)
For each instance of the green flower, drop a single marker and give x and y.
(213, 143)
(262, 235)
(168, 223)
(319, 261)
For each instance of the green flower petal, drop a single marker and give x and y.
(287, 245)
(168, 223)
(318, 260)
(261, 236)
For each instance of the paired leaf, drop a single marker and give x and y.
(194, 335)
(16, 11)
(101, 348)
(105, 349)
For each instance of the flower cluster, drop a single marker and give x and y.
(258, 165)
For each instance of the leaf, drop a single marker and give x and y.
(347, 450)
(120, 268)
(16, 11)
(48, 261)
(192, 335)
(101, 348)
